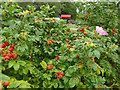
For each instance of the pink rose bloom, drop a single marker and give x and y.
(101, 31)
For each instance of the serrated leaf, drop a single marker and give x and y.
(4, 78)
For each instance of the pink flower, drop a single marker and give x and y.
(101, 31)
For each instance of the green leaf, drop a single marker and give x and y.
(97, 53)
(11, 63)
(90, 53)
(16, 66)
(4, 78)
(43, 64)
(71, 83)
(71, 69)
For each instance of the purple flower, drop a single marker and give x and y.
(101, 31)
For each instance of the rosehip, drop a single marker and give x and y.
(48, 43)
(59, 76)
(6, 43)
(80, 30)
(6, 83)
(67, 40)
(66, 33)
(116, 20)
(5, 54)
(49, 67)
(11, 49)
(58, 57)
(85, 33)
(85, 18)
(13, 46)
(89, 14)
(77, 30)
(92, 60)
(113, 29)
(76, 38)
(113, 32)
(99, 86)
(71, 44)
(7, 57)
(77, 55)
(2, 46)
(10, 55)
(58, 72)
(91, 57)
(38, 19)
(82, 27)
(15, 56)
(93, 31)
(87, 27)
(68, 45)
(62, 74)
(69, 31)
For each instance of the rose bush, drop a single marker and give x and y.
(48, 54)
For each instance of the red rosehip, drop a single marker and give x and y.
(93, 31)
(82, 28)
(69, 31)
(15, 56)
(58, 57)
(71, 44)
(59, 76)
(51, 40)
(66, 33)
(113, 32)
(2, 46)
(38, 19)
(49, 67)
(68, 45)
(11, 49)
(85, 43)
(13, 45)
(7, 57)
(6, 83)
(113, 29)
(92, 60)
(99, 86)
(48, 44)
(85, 18)
(58, 72)
(76, 38)
(85, 33)
(52, 65)
(77, 30)
(67, 40)
(116, 20)
(77, 55)
(10, 55)
(87, 27)
(59, 37)
(62, 73)
(6, 43)
(91, 57)
(5, 54)
(89, 15)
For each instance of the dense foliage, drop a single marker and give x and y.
(40, 53)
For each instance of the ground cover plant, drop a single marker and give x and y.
(40, 53)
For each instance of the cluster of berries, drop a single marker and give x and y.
(49, 41)
(114, 31)
(8, 52)
(60, 76)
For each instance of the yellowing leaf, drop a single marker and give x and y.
(43, 64)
